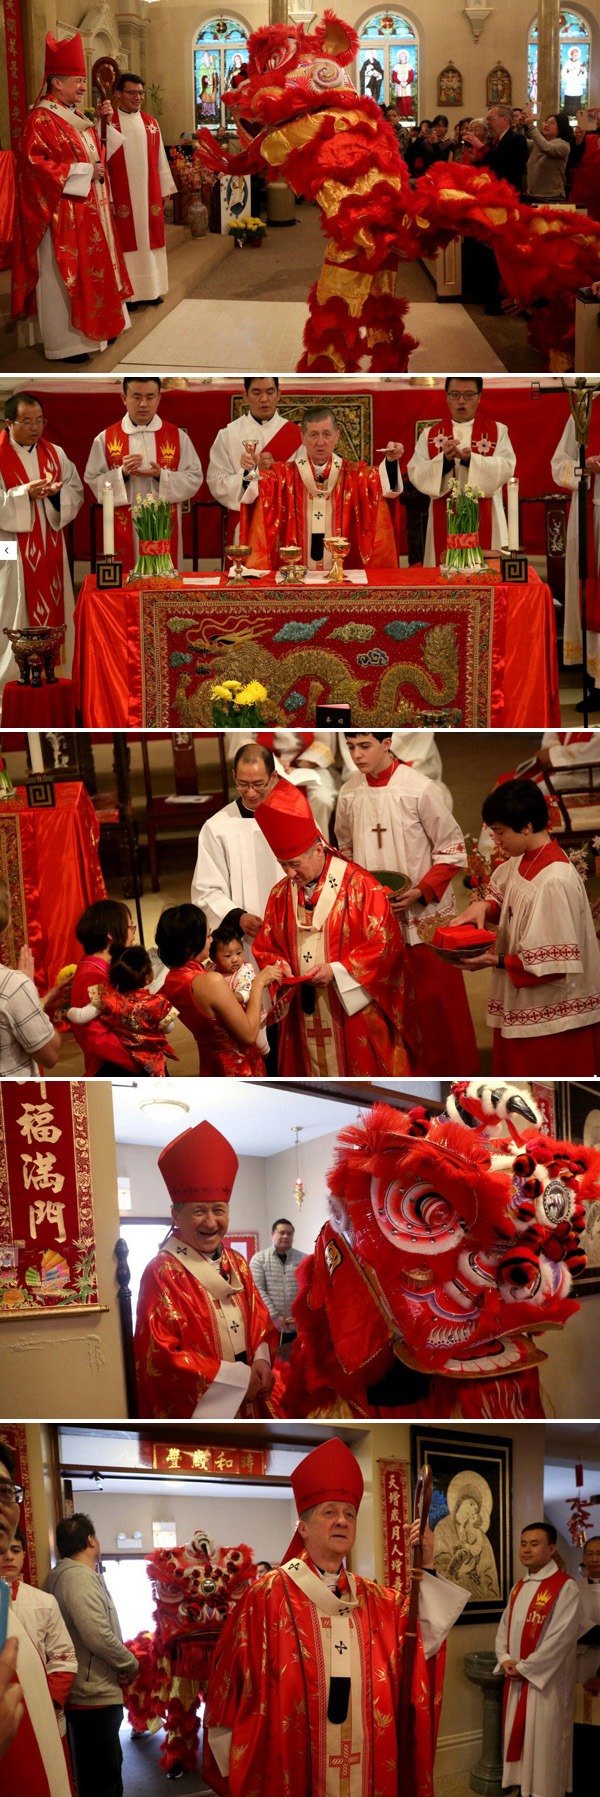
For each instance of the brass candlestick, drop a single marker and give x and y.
(338, 548)
(292, 570)
(238, 556)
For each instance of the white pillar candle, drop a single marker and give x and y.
(513, 515)
(108, 519)
(34, 744)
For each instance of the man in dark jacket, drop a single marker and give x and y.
(506, 157)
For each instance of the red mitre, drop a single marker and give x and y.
(64, 56)
(329, 1473)
(198, 1158)
(287, 822)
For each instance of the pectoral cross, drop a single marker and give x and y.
(379, 830)
(234, 1328)
(345, 1760)
(341, 1647)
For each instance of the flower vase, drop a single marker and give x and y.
(197, 216)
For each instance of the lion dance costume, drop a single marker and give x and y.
(195, 1588)
(298, 115)
(450, 1251)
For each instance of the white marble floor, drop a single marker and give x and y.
(222, 336)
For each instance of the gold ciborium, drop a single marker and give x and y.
(338, 548)
(289, 556)
(238, 556)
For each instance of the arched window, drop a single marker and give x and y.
(388, 62)
(219, 49)
(574, 42)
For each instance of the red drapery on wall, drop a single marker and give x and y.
(15, 1436)
(534, 425)
(34, 845)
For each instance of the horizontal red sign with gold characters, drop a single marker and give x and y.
(232, 1463)
(47, 1240)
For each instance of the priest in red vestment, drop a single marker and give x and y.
(141, 181)
(304, 1690)
(470, 447)
(246, 446)
(203, 1337)
(67, 264)
(319, 494)
(341, 948)
(143, 456)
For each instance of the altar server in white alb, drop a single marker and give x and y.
(417, 748)
(235, 868)
(565, 465)
(468, 446)
(536, 1647)
(41, 1617)
(142, 456)
(544, 1003)
(33, 1763)
(305, 757)
(140, 180)
(248, 444)
(392, 820)
(40, 492)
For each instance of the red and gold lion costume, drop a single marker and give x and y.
(195, 1587)
(448, 1253)
(297, 112)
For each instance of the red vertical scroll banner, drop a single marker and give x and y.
(17, 97)
(395, 1519)
(47, 1239)
(15, 1436)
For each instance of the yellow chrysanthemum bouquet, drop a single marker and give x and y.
(234, 704)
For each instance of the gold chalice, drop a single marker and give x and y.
(238, 556)
(289, 556)
(338, 548)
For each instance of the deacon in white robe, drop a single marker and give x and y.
(544, 1767)
(565, 463)
(248, 443)
(433, 474)
(307, 760)
(138, 134)
(235, 868)
(25, 519)
(155, 478)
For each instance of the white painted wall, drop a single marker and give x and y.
(265, 1525)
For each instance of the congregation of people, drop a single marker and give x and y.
(65, 1669)
(328, 931)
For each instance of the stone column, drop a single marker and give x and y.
(548, 58)
(278, 12)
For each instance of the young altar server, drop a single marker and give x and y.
(143, 457)
(536, 1647)
(544, 1003)
(247, 445)
(329, 924)
(203, 1337)
(391, 819)
(304, 1690)
(565, 465)
(468, 446)
(39, 1613)
(40, 493)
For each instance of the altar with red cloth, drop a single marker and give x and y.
(47, 707)
(408, 647)
(49, 859)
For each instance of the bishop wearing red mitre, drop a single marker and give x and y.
(304, 1689)
(330, 923)
(66, 263)
(204, 1337)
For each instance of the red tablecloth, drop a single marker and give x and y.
(108, 671)
(38, 707)
(50, 861)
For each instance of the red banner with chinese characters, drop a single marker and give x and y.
(235, 1463)
(15, 1436)
(544, 1096)
(47, 1243)
(395, 1519)
(17, 98)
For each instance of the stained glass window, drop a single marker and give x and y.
(388, 62)
(219, 53)
(574, 42)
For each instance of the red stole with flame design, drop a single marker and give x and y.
(119, 181)
(540, 1609)
(42, 564)
(167, 451)
(483, 442)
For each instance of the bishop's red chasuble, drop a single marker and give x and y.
(184, 1331)
(280, 446)
(83, 239)
(119, 181)
(42, 562)
(350, 926)
(359, 512)
(167, 453)
(484, 442)
(270, 1682)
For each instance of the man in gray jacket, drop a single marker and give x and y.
(274, 1271)
(104, 1664)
